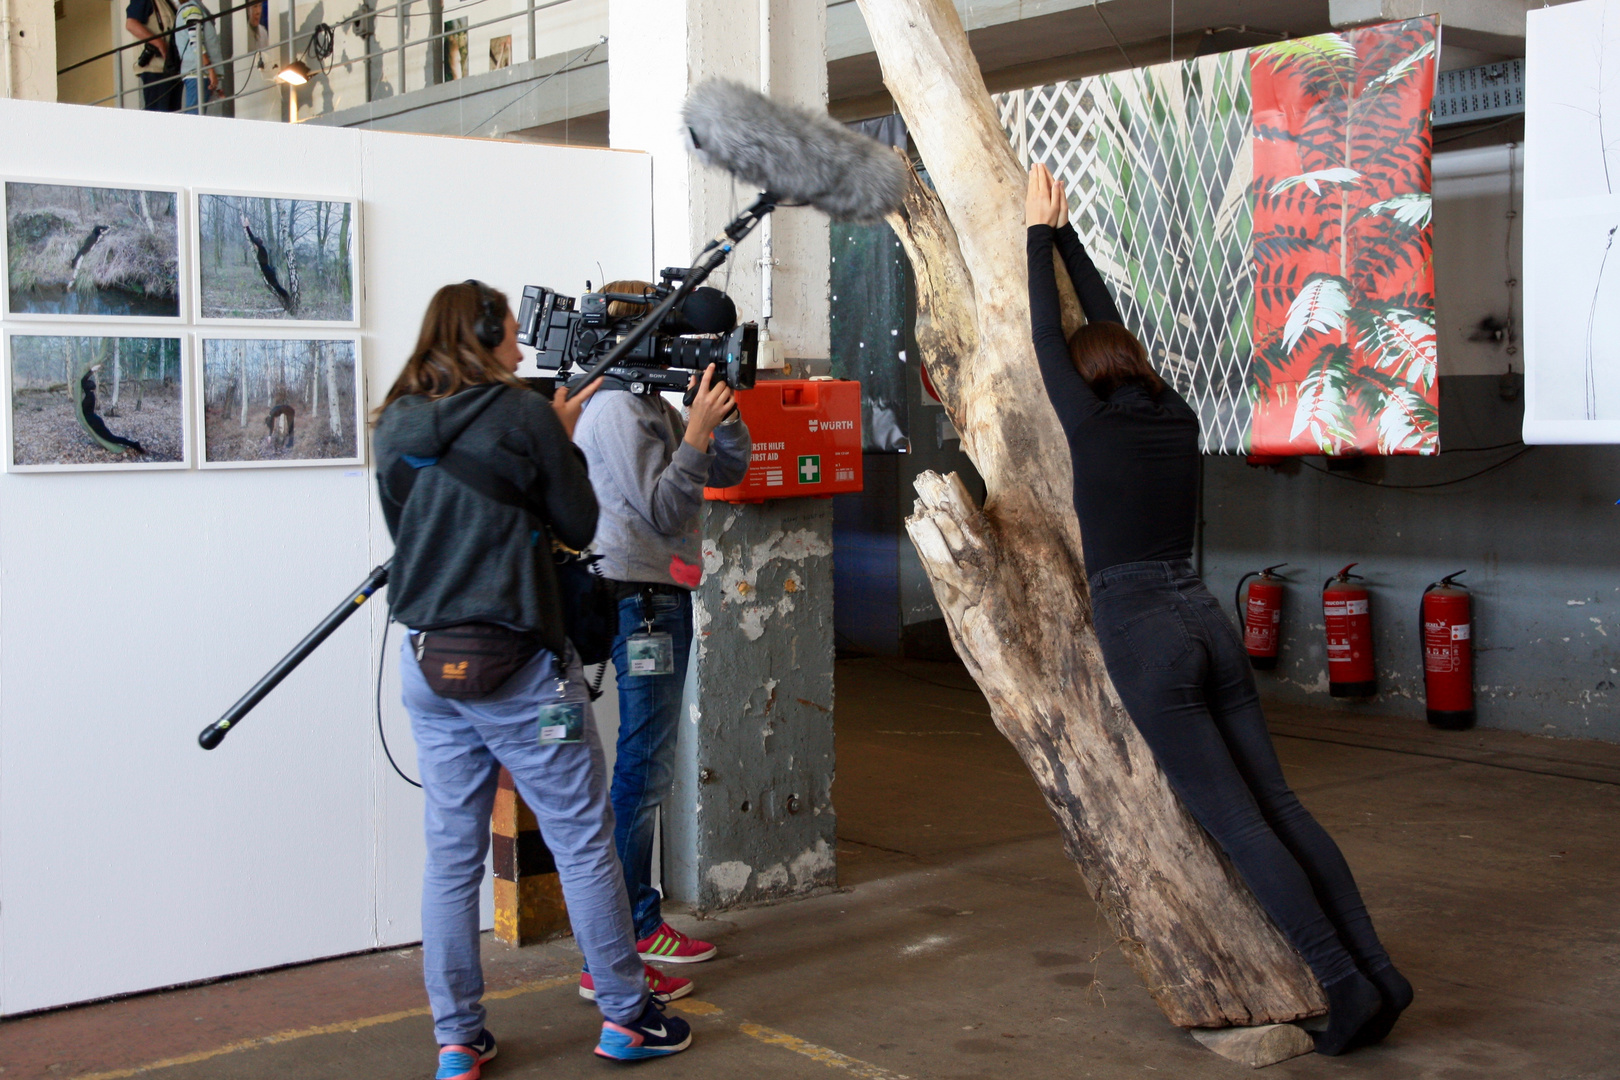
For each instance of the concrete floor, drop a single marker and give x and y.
(961, 945)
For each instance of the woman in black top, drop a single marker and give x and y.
(1174, 657)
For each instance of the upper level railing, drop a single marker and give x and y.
(348, 56)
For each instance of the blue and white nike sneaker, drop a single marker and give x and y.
(652, 1035)
(463, 1062)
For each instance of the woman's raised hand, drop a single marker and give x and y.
(570, 405)
(1046, 202)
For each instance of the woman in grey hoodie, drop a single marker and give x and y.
(477, 475)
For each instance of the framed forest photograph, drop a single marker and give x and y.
(278, 401)
(79, 251)
(96, 401)
(265, 259)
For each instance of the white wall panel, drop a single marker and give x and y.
(135, 607)
(1572, 224)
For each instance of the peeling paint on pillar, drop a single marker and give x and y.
(752, 805)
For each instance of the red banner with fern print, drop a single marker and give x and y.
(1344, 354)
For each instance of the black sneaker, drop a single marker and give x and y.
(483, 1046)
(652, 1035)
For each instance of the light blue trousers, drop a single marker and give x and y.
(460, 747)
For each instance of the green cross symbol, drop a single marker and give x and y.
(810, 469)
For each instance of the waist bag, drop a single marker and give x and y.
(589, 604)
(473, 659)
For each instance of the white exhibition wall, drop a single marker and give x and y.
(1572, 224)
(135, 607)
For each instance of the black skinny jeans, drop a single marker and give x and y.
(1180, 669)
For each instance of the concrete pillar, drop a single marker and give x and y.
(751, 816)
(29, 56)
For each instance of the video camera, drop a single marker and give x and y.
(702, 329)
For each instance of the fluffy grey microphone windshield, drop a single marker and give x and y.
(799, 155)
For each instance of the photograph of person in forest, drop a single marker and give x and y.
(264, 259)
(93, 251)
(280, 401)
(96, 402)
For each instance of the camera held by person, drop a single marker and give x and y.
(568, 332)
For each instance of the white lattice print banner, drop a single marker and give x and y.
(1157, 163)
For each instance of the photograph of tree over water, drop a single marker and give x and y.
(262, 259)
(92, 251)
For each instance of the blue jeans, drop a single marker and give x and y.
(460, 747)
(649, 715)
(1184, 678)
(192, 105)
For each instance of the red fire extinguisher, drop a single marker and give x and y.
(1261, 616)
(1345, 609)
(1446, 624)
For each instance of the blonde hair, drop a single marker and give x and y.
(620, 309)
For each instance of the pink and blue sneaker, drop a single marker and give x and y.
(652, 1035)
(464, 1062)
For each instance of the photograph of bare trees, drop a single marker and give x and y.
(279, 401)
(263, 259)
(96, 402)
(95, 251)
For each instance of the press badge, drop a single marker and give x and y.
(651, 654)
(562, 722)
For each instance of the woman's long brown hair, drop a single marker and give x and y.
(1108, 356)
(448, 356)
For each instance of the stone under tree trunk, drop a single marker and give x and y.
(1010, 579)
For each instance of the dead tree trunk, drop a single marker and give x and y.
(1010, 577)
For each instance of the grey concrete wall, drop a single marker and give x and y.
(1537, 536)
(751, 815)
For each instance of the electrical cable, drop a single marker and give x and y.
(1480, 449)
(1104, 19)
(1512, 279)
(321, 40)
(1363, 745)
(382, 656)
(897, 669)
(1417, 487)
(567, 64)
(1475, 131)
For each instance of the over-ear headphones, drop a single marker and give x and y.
(490, 328)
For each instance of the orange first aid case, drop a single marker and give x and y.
(807, 440)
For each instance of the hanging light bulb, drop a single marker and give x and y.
(296, 73)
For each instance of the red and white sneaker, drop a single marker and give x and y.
(669, 946)
(664, 988)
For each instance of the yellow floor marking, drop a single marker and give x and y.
(696, 1008)
(771, 1037)
(830, 1058)
(324, 1029)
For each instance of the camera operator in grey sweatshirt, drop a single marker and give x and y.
(649, 469)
